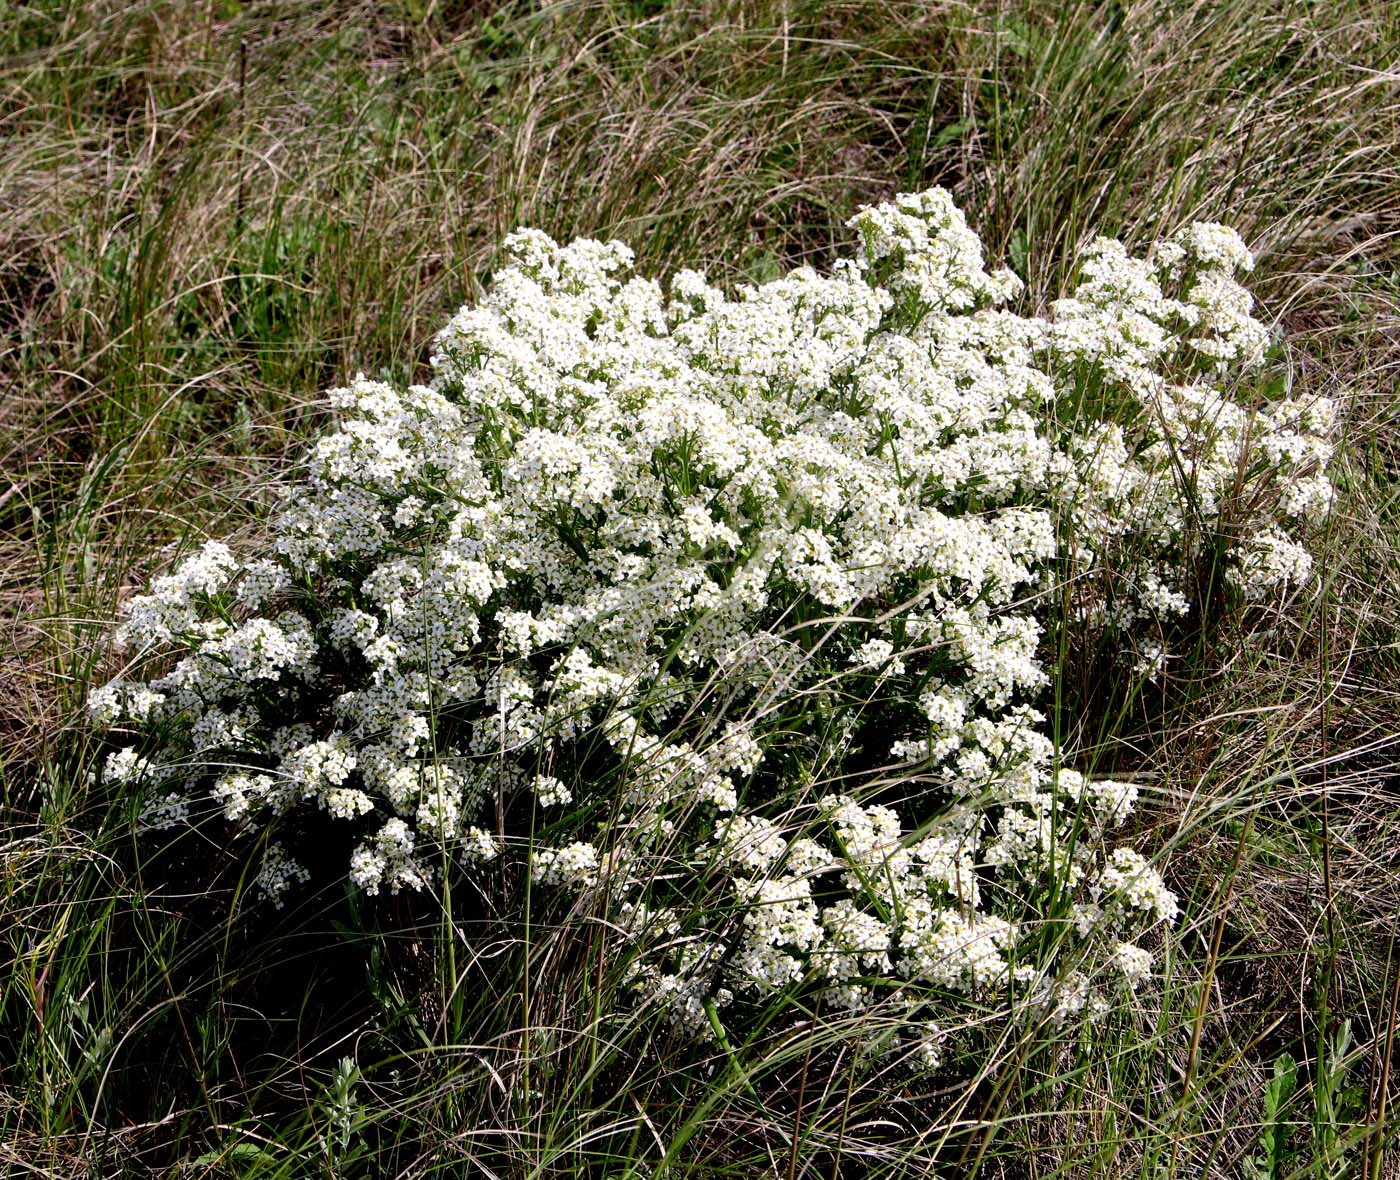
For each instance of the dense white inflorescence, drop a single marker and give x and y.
(627, 560)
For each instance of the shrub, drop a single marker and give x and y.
(727, 612)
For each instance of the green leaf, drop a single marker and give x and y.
(1274, 1136)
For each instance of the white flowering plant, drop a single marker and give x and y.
(668, 594)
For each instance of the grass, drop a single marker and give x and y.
(210, 213)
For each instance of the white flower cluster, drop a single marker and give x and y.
(278, 873)
(597, 566)
(1150, 498)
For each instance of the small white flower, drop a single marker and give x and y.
(1134, 962)
(480, 845)
(125, 766)
(1128, 876)
(278, 873)
(576, 865)
(551, 792)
